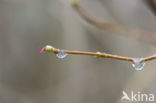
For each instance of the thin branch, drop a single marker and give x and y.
(97, 54)
(152, 5)
(110, 27)
(142, 35)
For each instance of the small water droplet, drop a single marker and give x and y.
(61, 54)
(138, 64)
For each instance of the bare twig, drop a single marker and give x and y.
(97, 54)
(142, 35)
(152, 5)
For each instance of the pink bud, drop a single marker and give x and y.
(41, 50)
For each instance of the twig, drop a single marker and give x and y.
(111, 27)
(97, 54)
(152, 5)
(142, 35)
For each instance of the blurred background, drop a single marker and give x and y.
(27, 76)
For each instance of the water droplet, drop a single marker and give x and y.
(61, 54)
(138, 64)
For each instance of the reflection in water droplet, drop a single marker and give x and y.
(138, 64)
(61, 54)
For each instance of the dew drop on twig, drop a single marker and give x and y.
(61, 54)
(138, 64)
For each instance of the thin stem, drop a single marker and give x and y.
(152, 5)
(150, 58)
(142, 35)
(98, 54)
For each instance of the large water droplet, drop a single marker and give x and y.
(61, 54)
(138, 64)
